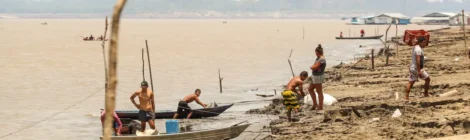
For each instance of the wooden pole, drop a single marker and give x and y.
(349, 32)
(111, 92)
(386, 46)
(220, 82)
(303, 33)
(275, 93)
(290, 64)
(396, 37)
(143, 65)
(464, 32)
(372, 58)
(151, 77)
(104, 55)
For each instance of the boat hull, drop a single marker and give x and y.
(367, 37)
(216, 134)
(197, 113)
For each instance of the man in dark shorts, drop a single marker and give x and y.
(183, 106)
(146, 105)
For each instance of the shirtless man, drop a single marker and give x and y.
(183, 104)
(290, 94)
(146, 107)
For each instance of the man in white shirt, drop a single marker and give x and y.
(416, 68)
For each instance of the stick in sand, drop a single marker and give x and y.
(111, 90)
(220, 82)
(290, 64)
(151, 78)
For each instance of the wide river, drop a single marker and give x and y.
(52, 82)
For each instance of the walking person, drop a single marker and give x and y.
(318, 78)
(416, 68)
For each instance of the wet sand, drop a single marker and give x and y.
(364, 93)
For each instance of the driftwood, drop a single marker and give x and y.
(448, 93)
(112, 81)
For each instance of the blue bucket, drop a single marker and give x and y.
(172, 126)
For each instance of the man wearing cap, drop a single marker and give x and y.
(416, 68)
(146, 106)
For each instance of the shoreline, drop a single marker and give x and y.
(366, 98)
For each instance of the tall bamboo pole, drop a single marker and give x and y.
(151, 78)
(143, 65)
(386, 46)
(396, 37)
(464, 32)
(104, 55)
(111, 92)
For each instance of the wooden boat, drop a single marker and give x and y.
(95, 40)
(215, 134)
(166, 114)
(366, 37)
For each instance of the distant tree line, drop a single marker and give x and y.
(138, 6)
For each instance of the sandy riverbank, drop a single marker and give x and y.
(371, 94)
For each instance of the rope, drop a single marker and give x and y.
(19, 130)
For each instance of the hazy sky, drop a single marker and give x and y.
(411, 8)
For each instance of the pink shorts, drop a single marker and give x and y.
(414, 75)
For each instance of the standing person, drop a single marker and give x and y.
(183, 104)
(146, 106)
(341, 34)
(362, 32)
(318, 72)
(416, 68)
(468, 52)
(290, 94)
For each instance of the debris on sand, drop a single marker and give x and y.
(368, 98)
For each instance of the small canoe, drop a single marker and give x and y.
(197, 113)
(366, 37)
(95, 40)
(215, 134)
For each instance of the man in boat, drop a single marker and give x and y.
(91, 37)
(183, 106)
(341, 34)
(362, 32)
(416, 68)
(146, 106)
(101, 37)
(117, 124)
(291, 95)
